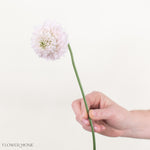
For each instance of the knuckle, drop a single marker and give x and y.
(77, 118)
(74, 103)
(86, 128)
(95, 92)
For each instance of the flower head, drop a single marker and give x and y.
(50, 41)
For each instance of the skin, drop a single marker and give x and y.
(110, 119)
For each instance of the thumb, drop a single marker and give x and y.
(99, 114)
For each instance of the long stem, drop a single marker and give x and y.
(83, 95)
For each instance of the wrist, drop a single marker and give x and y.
(129, 129)
(139, 125)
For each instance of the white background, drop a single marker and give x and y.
(111, 45)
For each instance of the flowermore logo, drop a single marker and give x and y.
(17, 145)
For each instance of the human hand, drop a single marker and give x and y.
(108, 118)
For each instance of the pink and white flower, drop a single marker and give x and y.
(50, 41)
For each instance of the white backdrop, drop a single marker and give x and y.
(111, 45)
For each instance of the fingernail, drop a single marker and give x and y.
(93, 113)
(103, 127)
(96, 128)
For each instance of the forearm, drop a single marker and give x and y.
(139, 124)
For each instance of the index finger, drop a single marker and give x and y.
(92, 100)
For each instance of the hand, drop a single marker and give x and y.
(108, 118)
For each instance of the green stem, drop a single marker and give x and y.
(83, 95)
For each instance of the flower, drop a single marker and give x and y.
(49, 41)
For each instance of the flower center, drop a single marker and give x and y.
(43, 44)
(49, 41)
